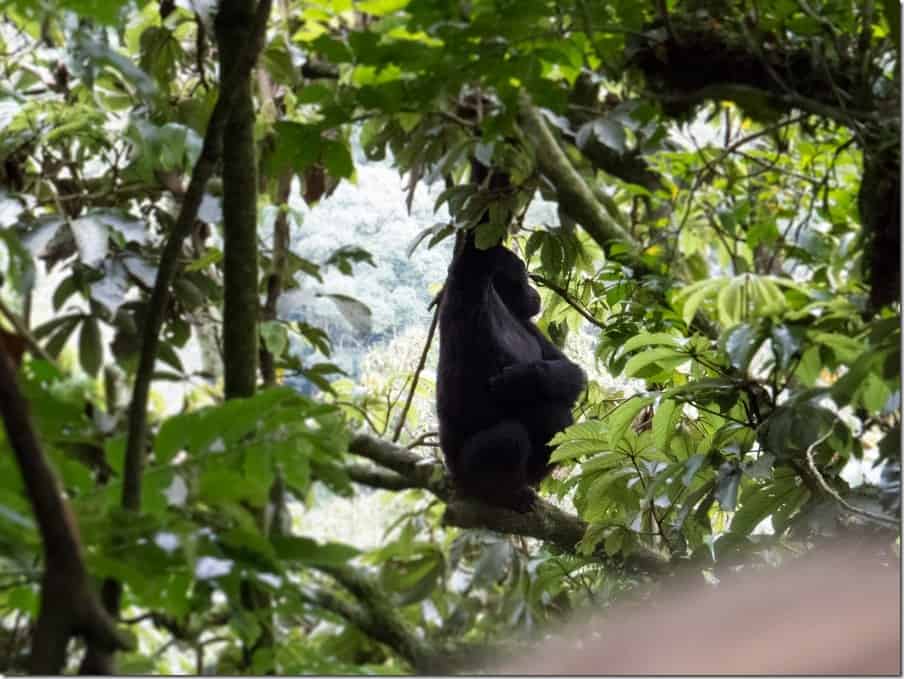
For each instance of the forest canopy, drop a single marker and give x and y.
(705, 193)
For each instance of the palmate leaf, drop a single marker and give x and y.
(581, 438)
(598, 495)
(622, 417)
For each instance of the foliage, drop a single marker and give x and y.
(719, 236)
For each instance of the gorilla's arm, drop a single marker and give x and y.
(554, 378)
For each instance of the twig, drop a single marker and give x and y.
(573, 303)
(25, 334)
(417, 374)
(878, 518)
(276, 278)
(363, 413)
(422, 440)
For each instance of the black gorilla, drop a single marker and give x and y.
(503, 389)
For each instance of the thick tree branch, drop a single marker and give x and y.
(203, 170)
(69, 604)
(703, 63)
(374, 477)
(545, 522)
(376, 615)
(96, 660)
(574, 196)
(420, 471)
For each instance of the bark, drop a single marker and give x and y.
(240, 266)
(240, 306)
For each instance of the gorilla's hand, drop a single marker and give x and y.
(517, 383)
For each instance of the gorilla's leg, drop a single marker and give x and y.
(493, 466)
(543, 420)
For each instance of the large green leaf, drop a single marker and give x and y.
(622, 417)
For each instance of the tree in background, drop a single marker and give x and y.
(726, 177)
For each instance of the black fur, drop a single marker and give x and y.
(503, 389)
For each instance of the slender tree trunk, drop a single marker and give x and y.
(240, 275)
(240, 308)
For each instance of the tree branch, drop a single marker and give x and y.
(544, 522)
(69, 604)
(97, 662)
(378, 478)
(376, 615)
(573, 194)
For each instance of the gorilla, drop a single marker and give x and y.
(503, 389)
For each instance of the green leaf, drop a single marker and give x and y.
(596, 494)
(761, 469)
(727, 483)
(429, 231)
(756, 505)
(846, 349)
(494, 563)
(56, 343)
(308, 551)
(354, 311)
(222, 485)
(646, 339)
(693, 296)
(637, 363)
(488, 235)
(380, 7)
(741, 343)
(613, 542)
(275, 336)
(730, 303)
(338, 159)
(115, 452)
(211, 256)
(65, 290)
(588, 436)
(54, 324)
(606, 131)
(297, 147)
(90, 351)
(103, 11)
(786, 344)
(622, 417)
(692, 466)
(167, 354)
(665, 420)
